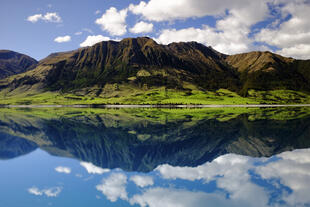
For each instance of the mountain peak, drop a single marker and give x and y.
(12, 63)
(142, 63)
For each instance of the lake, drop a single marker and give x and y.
(233, 156)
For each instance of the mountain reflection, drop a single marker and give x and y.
(152, 157)
(141, 140)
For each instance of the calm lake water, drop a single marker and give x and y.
(155, 157)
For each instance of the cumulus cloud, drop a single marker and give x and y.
(293, 171)
(114, 187)
(62, 39)
(231, 32)
(142, 181)
(162, 10)
(222, 41)
(142, 27)
(113, 21)
(62, 169)
(48, 17)
(49, 192)
(292, 36)
(93, 39)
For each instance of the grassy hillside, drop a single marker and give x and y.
(129, 95)
(140, 71)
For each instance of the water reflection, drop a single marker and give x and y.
(130, 158)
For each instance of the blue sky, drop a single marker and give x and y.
(40, 27)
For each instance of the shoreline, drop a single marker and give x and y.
(157, 106)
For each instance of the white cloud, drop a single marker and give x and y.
(142, 27)
(300, 51)
(62, 39)
(78, 33)
(113, 21)
(142, 181)
(163, 10)
(35, 191)
(48, 17)
(52, 192)
(231, 32)
(92, 169)
(97, 12)
(291, 36)
(49, 192)
(93, 39)
(293, 171)
(114, 187)
(235, 19)
(34, 18)
(222, 41)
(62, 169)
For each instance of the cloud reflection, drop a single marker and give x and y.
(62, 169)
(142, 181)
(92, 169)
(49, 192)
(114, 187)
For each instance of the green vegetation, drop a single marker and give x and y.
(161, 115)
(124, 94)
(140, 71)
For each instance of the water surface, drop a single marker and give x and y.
(155, 157)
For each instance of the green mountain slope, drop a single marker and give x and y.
(12, 63)
(140, 71)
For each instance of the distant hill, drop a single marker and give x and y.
(138, 70)
(12, 63)
(268, 71)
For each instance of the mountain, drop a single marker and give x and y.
(12, 63)
(142, 58)
(268, 71)
(135, 142)
(138, 70)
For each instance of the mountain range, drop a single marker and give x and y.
(139, 70)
